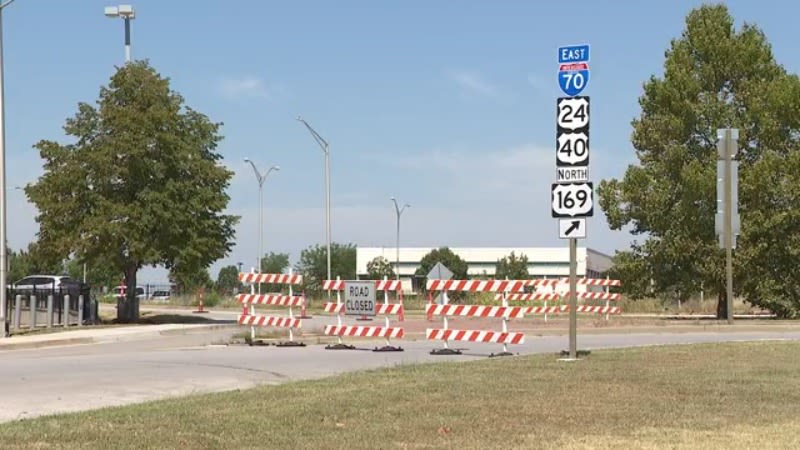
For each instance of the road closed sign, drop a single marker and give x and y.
(359, 298)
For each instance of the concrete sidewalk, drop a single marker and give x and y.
(94, 335)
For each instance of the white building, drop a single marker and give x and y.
(543, 262)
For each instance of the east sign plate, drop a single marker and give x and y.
(572, 199)
(573, 68)
(359, 298)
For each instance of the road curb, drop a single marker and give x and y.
(47, 343)
(181, 331)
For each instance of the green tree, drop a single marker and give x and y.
(313, 265)
(31, 262)
(445, 256)
(512, 267)
(379, 268)
(274, 263)
(97, 273)
(188, 281)
(228, 280)
(715, 76)
(20, 265)
(139, 184)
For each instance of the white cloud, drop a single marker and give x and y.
(539, 85)
(246, 87)
(486, 172)
(472, 84)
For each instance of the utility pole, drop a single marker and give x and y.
(3, 208)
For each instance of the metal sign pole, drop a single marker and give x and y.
(728, 233)
(573, 299)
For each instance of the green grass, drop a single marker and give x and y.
(728, 396)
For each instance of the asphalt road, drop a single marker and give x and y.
(73, 378)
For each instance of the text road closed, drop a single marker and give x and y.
(359, 298)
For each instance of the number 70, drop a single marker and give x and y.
(574, 78)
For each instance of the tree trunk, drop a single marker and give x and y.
(128, 307)
(722, 305)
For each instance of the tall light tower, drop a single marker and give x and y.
(127, 14)
(260, 177)
(399, 211)
(323, 144)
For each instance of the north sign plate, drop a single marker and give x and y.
(572, 200)
(572, 174)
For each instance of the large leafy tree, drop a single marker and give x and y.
(445, 256)
(380, 268)
(273, 263)
(138, 184)
(512, 267)
(190, 281)
(228, 280)
(715, 76)
(97, 273)
(313, 264)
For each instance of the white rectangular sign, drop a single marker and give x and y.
(572, 174)
(572, 228)
(359, 298)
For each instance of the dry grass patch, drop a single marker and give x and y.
(741, 395)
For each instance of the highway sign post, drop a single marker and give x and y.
(572, 195)
(727, 222)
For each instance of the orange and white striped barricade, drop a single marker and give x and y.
(386, 309)
(598, 309)
(533, 297)
(605, 295)
(249, 301)
(505, 312)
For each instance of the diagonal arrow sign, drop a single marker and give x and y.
(573, 226)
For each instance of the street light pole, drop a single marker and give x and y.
(3, 236)
(323, 144)
(399, 211)
(260, 179)
(126, 13)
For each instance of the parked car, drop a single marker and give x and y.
(49, 283)
(160, 296)
(118, 292)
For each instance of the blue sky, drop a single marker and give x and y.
(448, 106)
